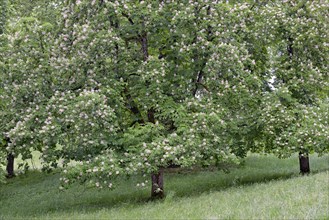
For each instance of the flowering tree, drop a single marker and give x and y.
(25, 78)
(3, 141)
(152, 70)
(2, 24)
(293, 115)
(133, 87)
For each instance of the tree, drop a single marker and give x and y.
(299, 69)
(3, 139)
(187, 84)
(137, 87)
(24, 74)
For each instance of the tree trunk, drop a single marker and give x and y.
(157, 178)
(157, 185)
(10, 165)
(304, 163)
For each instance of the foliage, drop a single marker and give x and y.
(2, 171)
(293, 116)
(129, 87)
(24, 72)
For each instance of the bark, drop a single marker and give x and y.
(290, 47)
(200, 73)
(304, 163)
(10, 165)
(157, 191)
(133, 108)
(197, 82)
(157, 185)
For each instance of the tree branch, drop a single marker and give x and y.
(129, 18)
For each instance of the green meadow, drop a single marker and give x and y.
(264, 187)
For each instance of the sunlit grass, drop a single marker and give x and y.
(264, 188)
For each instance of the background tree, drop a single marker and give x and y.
(25, 74)
(3, 140)
(299, 66)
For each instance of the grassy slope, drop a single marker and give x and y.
(264, 188)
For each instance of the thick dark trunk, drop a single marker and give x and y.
(157, 191)
(10, 165)
(157, 185)
(304, 163)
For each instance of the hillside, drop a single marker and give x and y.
(265, 187)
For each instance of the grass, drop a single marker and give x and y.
(264, 188)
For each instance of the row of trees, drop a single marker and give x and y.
(126, 87)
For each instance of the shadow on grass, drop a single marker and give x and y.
(37, 194)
